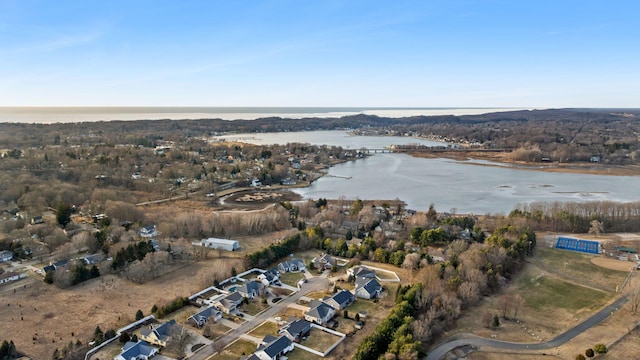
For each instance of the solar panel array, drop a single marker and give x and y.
(585, 246)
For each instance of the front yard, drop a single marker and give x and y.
(266, 328)
(291, 278)
(236, 350)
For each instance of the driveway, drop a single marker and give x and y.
(440, 351)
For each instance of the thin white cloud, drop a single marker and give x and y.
(60, 42)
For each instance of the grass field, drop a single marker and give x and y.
(579, 268)
(236, 350)
(548, 292)
(266, 328)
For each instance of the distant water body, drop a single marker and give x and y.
(49, 115)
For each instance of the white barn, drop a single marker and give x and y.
(216, 243)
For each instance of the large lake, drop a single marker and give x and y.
(466, 186)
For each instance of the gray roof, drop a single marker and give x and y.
(361, 271)
(203, 315)
(249, 287)
(234, 297)
(298, 327)
(368, 285)
(277, 346)
(343, 296)
(132, 350)
(320, 311)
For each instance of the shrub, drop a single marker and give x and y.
(580, 357)
(600, 348)
(589, 353)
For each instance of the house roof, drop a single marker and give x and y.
(368, 285)
(203, 315)
(277, 346)
(249, 287)
(133, 350)
(161, 332)
(297, 327)
(235, 297)
(320, 311)
(361, 271)
(8, 275)
(342, 297)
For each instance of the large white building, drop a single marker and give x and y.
(216, 243)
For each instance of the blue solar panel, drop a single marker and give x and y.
(586, 246)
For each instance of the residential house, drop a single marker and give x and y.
(272, 347)
(361, 271)
(340, 300)
(250, 289)
(269, 277)
(229, 303)
(55, 266)
(319, 313)
(207, 314)
(148, 231)
(292, 265)
(11, 276)
(324, 261)
(159, 335)
(37, 220)
(6, 255)
(92, 259)
(367, 288)
(140, 350)
(296, 330)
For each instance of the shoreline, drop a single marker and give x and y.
(500, 160)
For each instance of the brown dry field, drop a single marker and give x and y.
(503, 157)
(51, 315)
(613, 264)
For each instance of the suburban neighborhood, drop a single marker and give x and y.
(255, 299)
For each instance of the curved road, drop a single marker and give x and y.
(597, 318)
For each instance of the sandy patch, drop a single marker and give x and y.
(612, 264)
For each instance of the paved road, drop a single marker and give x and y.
(314, 284)
(440, 351)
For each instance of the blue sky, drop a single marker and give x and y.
(430, 53)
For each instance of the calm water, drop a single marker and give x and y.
(49, 115)
(465, 186)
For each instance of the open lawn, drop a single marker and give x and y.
(235, 351)
(544, 292)
(254, 306)
(299, 354)
(217, 330)
(579, 268)
(320, 340)
(266, 328)
(291, 278)
(291, 312)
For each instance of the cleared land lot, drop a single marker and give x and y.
(554, 297)
(54, 317)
